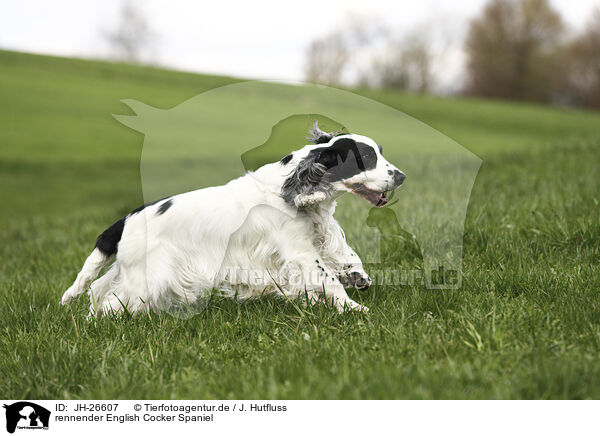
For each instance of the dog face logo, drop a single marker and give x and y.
(26, 415)
(194, 145)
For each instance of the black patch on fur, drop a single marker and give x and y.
(108, 241)
(286, 159)
(164, 207)
(144, 206)
(323, 139)
(346, 158)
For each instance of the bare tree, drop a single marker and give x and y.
(513, 50)
(331, 57)
(131, 39)
(406, 65)
(415, 59)
(583, 59)
(326, 58)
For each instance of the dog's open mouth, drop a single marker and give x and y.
(376, 198)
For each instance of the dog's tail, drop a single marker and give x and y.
(106, 248)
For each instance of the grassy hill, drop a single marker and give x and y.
(525, 323)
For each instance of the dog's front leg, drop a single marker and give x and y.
(312, 274)
(325, 282)
(351, 272)
(343, 259)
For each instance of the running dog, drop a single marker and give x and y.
(270, 231)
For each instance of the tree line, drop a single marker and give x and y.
(513, 49)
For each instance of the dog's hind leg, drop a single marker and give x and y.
(101, 287)
(127, 290)
(91, 268)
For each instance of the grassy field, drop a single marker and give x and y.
(525, 324)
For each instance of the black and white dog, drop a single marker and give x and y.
(270, 231)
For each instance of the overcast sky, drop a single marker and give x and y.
(252, 39)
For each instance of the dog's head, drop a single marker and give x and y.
(337, 163)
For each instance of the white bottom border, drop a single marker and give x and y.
(259, 417)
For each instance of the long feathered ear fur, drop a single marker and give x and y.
(317, 136)
(306, 185)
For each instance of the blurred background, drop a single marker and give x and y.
(541, 50)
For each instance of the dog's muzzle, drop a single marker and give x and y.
(399, 177)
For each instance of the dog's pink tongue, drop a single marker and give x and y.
(381, 200)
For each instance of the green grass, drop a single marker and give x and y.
(525, 324)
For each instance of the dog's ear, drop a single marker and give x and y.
(327, 157)
(306, 185)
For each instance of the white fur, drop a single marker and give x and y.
(223, 238)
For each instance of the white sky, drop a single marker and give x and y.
(252, 39)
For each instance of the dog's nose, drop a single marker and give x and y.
(399, 177)
(363, 283)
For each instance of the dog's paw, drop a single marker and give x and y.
(356, 279)
(67, 296)
(362, 282)
(351, 306)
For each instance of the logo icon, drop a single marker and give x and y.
(26, 415)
